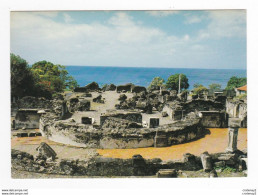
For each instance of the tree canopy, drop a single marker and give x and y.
(235, 82)
(215, 86)
(173, 82)
(42, 79)
(22, 80)
(199, 89)
(52, 77)
(156, 83)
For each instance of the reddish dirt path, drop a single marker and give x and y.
(215, 142)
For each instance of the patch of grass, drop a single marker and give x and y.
(226, 169)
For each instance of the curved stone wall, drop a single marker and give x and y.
(72, 133)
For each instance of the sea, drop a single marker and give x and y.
(143, 76)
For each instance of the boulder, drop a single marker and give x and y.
(98, 99)
(110, 87)
(80, 89)
(122, 97)
(138, 89)
(92, 86)
(124, 88)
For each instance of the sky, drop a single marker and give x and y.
(175, 39)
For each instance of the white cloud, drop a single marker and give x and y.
(119, 41)
(186, 37)
(38, 38)
(67, 18)
(192, 19)
(162, 13)
(228, 23)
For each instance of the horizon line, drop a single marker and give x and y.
(159, 67)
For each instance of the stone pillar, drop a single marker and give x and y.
(234, 124)
(206, 161)
(232, 139)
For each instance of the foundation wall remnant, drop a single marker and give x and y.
(237, 109)
(134, 117)
(86, 136)
(27, 118)
(214, 119)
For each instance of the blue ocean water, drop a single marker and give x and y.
(143, 76)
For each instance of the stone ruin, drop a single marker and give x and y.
(46, 152)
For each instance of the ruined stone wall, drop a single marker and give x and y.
(126, 87)
(134, 117)
(30, 102)
(87, 136)
(237, 109)
(101, 166)
(213, 119)
(28, 119)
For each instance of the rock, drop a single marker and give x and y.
(110, 87)
(46, 151)
(41, 169)
(206, 161)
(124, 88)
(92, 86)
(71, 120)
(160, 140)
(234, 122)
(230, 159)
(138, 89)
(41, 112)
(164, 114)
(166, 173)
(122, 97)
(187, 157)
(80, 89)
(118, 123)
(220, 164)
(98, 99)
(213, 173)
(164, 92)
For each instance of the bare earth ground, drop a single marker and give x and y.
(215, 142)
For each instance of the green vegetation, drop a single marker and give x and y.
(156, 83)
(215, 86)
(240, 97)
(235, 82)
(226, 169)
(54, 78)
(22, 79)
(43, 79)
(199, 89)
(173, 82)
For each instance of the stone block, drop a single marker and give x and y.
(166, 173)
(220, 164)
(160, 141)
(206, 161)
(46, 151)
(234, 122)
